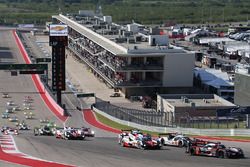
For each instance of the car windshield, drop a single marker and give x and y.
(147, 138)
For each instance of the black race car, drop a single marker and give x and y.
(44, 130)
(147, 142)
(73, 134)
(214, 149)
(22, 126)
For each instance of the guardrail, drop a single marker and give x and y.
(193, 131)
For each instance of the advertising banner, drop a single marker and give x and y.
(58, 30)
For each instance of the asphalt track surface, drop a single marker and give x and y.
(102, 150)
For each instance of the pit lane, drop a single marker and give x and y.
(100, 151)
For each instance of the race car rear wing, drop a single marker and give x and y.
(126, 130)
(167, 134)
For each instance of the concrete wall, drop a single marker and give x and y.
(178, 70)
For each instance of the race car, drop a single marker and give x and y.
(13, 119)
(22, 126)
(44, 130)
(51, 124)
(10, 131)
(5, 115)
(9, 110)
(29, 115)
(4, 128)
(147, 142)
(27, 106)
(126, 132)
(70, 134)
(135, 139)
(10, 103)
(174, 139)
(5, 95)
(215, 149)
(128, 140)
(28, 99)
(59, 133)
(88, 132)
(16, 108)
(45, 120)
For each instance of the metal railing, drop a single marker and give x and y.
(142, 117)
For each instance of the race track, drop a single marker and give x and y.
(102, 150)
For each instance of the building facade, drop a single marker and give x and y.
(242, 85)
(132, 58)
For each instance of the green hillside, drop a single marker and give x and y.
(144, 11)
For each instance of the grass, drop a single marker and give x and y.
(146, 12)
(116, 125)
(213, 125)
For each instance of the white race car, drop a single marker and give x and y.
(11, 131)
(174, 139)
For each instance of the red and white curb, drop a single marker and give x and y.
(9, 146)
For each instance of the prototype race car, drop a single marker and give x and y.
(28, 99)
(10, 131)
(27, 106)
(22, 126)
(5, 115)
(5, 95)
(4, 128)
(29, 115)
(13, 119)
(10, 103)
(128, 140)
(147, 142)
(45, 120)
(136, 139)
(9, 110)
(174, 139)
(44, 130)
(70, 134)
(88, 132)
(215, 149)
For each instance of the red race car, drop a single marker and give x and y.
(214, 149)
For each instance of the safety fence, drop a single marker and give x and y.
(193, 131)
(168, 119)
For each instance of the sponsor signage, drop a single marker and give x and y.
(58, 30)
(85, 95)
(31, 72)
(26, 26)
(38, 60)
(23, 66)
(233, 111)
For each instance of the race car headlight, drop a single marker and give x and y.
(92, 132)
